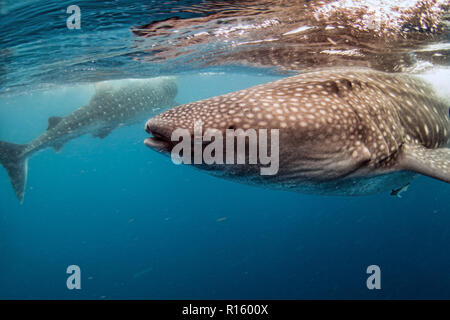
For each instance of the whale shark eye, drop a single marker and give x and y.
(347, 83)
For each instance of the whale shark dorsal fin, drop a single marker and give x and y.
(53, 121)
(434, 163)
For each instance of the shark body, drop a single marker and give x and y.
(342, 131)
(115, 103)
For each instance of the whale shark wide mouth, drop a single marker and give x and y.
(159, 141)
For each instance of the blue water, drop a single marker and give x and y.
(141, 227)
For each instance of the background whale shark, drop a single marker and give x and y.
(115, 103)
(343, 131)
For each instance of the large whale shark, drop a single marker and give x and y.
(115, 103)
(342, 131)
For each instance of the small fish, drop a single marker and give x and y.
(398, 192)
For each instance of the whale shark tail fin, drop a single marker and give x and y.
(14, 159)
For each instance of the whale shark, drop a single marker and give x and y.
(342, 131)
(114, 104)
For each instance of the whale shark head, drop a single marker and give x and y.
(315, 140)
(332, 125)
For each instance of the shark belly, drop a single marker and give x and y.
(355, 186)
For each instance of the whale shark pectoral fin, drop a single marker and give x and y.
(57, 146)
(53, 121)
(434, 163)
(103, 132)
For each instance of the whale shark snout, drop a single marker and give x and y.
(160, 139)
(341, 131)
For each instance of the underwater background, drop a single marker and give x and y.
(141, 227)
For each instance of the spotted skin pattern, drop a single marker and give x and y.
(343, 131)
